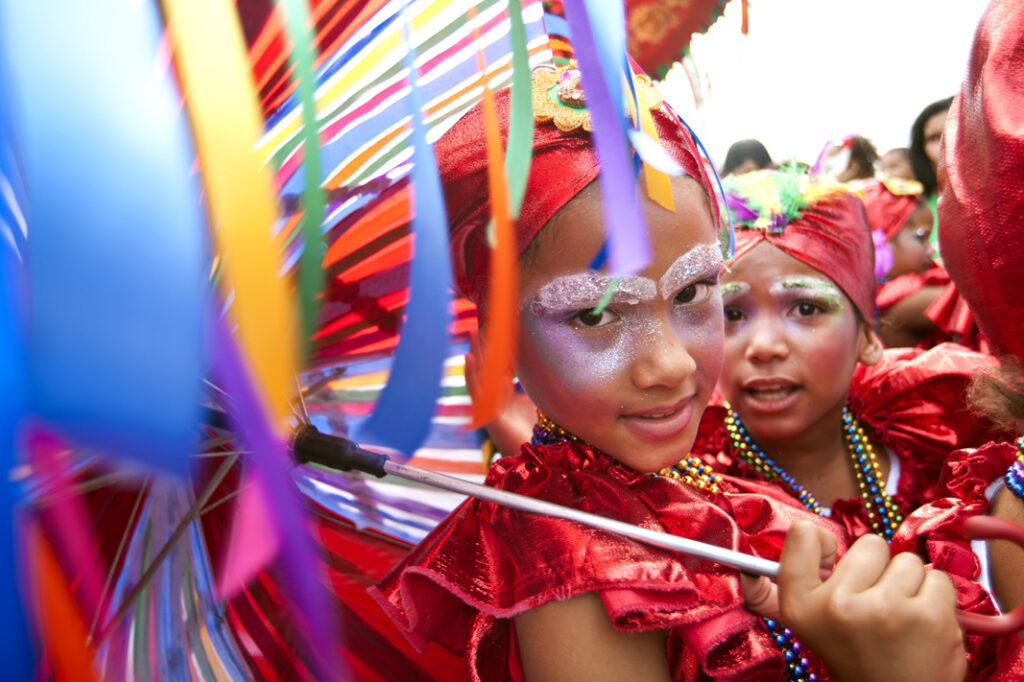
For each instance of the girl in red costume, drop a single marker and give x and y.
(917, 304)
(621, 391)
(898, 210)
(982, 225)
(812, 402)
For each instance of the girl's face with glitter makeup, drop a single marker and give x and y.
(634, 379)
(792, 341)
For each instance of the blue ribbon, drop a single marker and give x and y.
(116, 256)
(15, 652)
(406, 406)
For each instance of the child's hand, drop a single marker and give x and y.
(874, 618)
(514, 426)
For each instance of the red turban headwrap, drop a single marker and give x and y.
(562, 165)
(981, 206)
(889, 211)
(830, 234)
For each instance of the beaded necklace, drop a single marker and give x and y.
(1015, 474)
(882, 511)
(691, 470)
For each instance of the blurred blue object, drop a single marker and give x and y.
(15, 652)
(116, 248)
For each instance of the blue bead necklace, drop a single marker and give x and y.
(882, 511)
(1015, 474)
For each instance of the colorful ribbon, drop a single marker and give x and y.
(210, 53)
(311, 277)
(406, 405)
(115, 264)
(599, 46)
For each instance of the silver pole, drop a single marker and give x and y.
(744, 562)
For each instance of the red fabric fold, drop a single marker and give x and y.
(887, 211)
(982, 198)
(933, 532)
(898, 288)
(485, 564)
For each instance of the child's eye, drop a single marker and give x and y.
(698, 292)
(808, 309)
(590, 318)
(733, 314)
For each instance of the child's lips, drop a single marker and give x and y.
(770, 394)
(663, 422)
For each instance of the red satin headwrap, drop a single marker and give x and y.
(833, 237)
(563, 164)
(886, 211)
(981, 207)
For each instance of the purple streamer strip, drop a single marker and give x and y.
(269, 459)
(629, 248)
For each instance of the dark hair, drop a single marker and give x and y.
(918, 159)
(865, 154)
(743, 150)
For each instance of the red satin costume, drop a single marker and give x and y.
(981, 211)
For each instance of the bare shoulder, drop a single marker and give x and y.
(1005, 557)
(575, 640)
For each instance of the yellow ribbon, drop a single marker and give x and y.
(659, 188)
(210, 52)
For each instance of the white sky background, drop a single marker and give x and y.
(814, 70)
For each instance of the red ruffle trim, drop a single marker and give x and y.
(932, 532)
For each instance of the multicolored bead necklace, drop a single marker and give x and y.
(1015, 474)
(882, 511)
(691, 470)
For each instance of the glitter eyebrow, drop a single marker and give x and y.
(585, 290)
(703, 260)
(734, 288)
(827, 291)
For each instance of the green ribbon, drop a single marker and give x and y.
(297, 27)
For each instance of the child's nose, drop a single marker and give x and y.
(766, 342)
(665, 361)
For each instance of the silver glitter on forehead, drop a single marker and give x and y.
(585, 290)
(703, 260)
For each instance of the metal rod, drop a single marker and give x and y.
(154, 565)
(740, 560)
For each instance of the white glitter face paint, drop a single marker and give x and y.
(703, 261)
(588, 356)
(585, 290)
